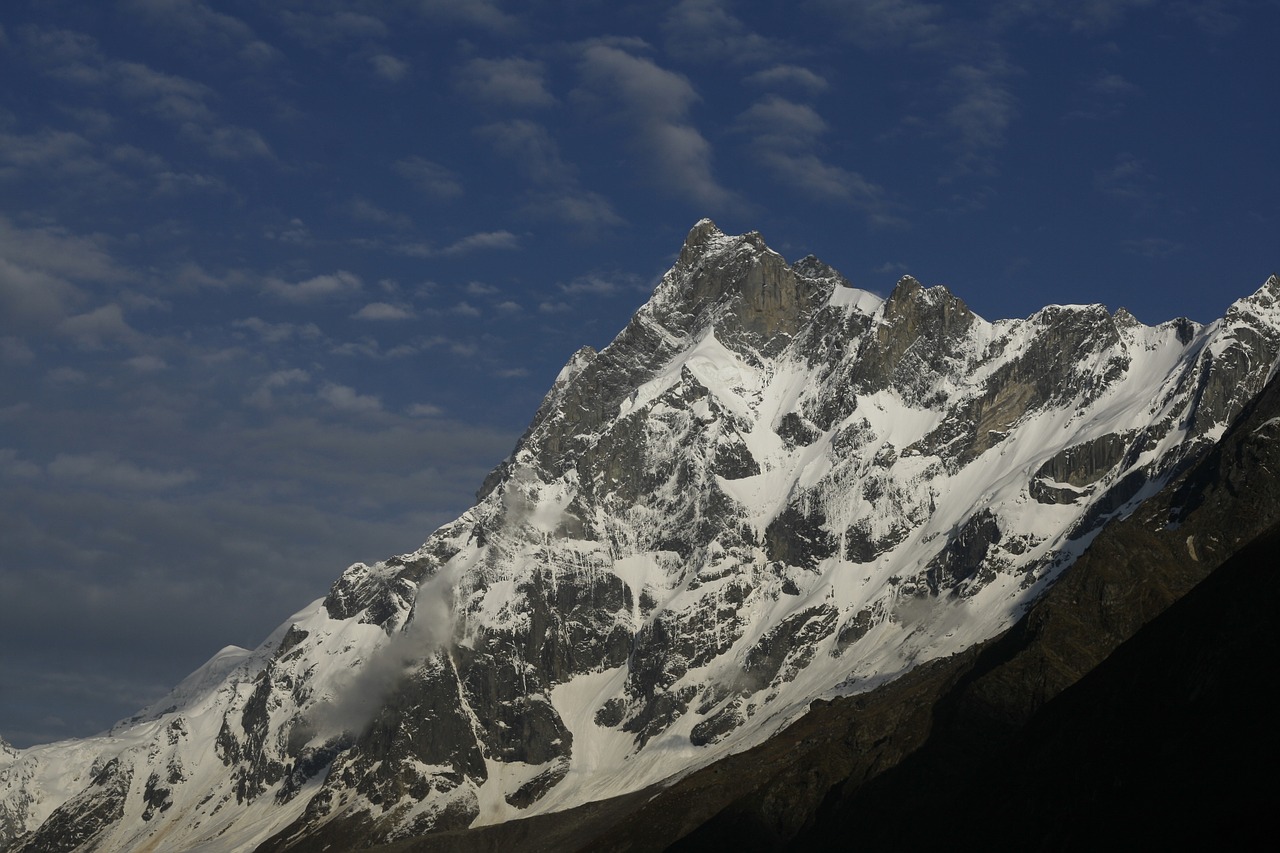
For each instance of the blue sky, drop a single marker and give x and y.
(280, 282)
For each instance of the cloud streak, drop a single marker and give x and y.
(655, 103)
(784, 138)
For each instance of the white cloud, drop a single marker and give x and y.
(891, 267)
(789, 76)
(656, 103)
(321, 287)
(887, 24)
(583, 210)
(431, 178)
(466, 309)
(320, 30)
(15, 351)
(346, 399)
(483, 241)
(595, 284)
(1089, 16)
(167, 96)
(483, 14)
(705, 31)
(147, 363)
(424, 410)
(366, 211)
(202, 28)
(228, 142)
(183, 102)
(169, 182)
(67, 376)
(41, 272)
(32, 298)
(1151, 247)
(785, 140)
(529, 145)
(98, 328)
(1115, 85)
(982, 108)
(1129, 180)
(274, 333)
(264, 396)
(389, 67)
(107, 470)
(13, 465)
(58, 252)
(383, 311)
(479, 288)
(512, 82)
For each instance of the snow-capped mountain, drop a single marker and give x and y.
(771, 487)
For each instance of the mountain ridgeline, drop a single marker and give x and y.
(771, 488)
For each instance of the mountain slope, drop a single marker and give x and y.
(1003, 724)
(771, 487)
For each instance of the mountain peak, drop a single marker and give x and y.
(767, 489)
(701, 239)
(738, 286)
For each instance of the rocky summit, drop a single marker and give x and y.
(771, 488)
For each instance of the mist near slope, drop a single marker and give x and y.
(428, 629)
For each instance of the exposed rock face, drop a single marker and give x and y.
(1164, 717)
(770, 487)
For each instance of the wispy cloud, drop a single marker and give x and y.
(99, 328)
(1088, 16)
(320, 29)
(109, 471)
(559, 195)
(46, 277)
(275, 333)
(333, 285)
(366, 211)
(388, 67)
(485, 241)
(263, 396)
(431, 178)
(14, 350)
(201, 28)
(424, 410)
(77, 59)
(347, 399)
(1151, 247)
(1104, 96)
(789, 77)
(1130, 180)
(512, 82)
(982, 108)
(483, 14)
(383, 311)
(706, 31)
(1114, 85)
(530, 145)
(601, 284)
(887, 24)
(784, 138)
(655, 103)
